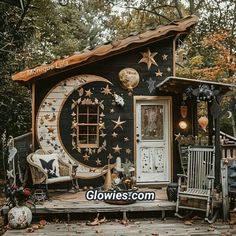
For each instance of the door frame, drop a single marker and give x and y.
(137, 99)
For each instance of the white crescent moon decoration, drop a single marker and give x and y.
(230, 114)
(48, 133)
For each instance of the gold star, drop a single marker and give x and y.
(101, 125)
(86, 157)
(47, 116)
(148, 58)
(118, 123)
(109, 156)
(102, 134)
(127, 150)
(53, 138)
(164, 57)
(98, 161)
(88, 93)
(112, 110)
(106, 90)
(114, 135)
(51, 130)
(126, 139)
(116, 149)
(158, 73)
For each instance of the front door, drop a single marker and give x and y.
(153, 165)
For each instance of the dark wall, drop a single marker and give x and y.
(109, 68)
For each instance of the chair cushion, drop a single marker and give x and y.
(49, 162)
(59, 179)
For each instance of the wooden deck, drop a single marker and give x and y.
(69, 203)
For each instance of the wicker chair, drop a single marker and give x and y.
(40, 176)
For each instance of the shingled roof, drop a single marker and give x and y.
(107, 49)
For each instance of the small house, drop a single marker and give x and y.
(117, 103)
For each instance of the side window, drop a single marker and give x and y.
(87, 126)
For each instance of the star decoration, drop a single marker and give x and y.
(177, 136)
(86, 157)
(47, 116)
(98, 161)
(127, 150)
(101, 125)
(53, 138)
(118, 123)
(109, 156)
(73, 114)
(158, 73)
(112, 110)
(10, 174)
(168, 69)
(114, 135)
(51, 130)
(164, 57)
(73, 135)
(116, 149)
(102, 114)
(126, 139)
(102, 134)
(106, 90)
(151, 85)
(88, 93)
(148, 58)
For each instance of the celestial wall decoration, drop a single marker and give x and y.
(129, 78)
(148, 58)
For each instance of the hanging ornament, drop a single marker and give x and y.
(203, 122)
(129, 78)
(183, 111)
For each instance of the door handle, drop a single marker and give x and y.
(137, 140)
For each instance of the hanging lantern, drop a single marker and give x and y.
(183, 111)
(203, 122)
(183, 125)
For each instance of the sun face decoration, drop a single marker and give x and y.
(129, 78)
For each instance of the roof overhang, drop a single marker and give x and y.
(107, 50)
(178, 85)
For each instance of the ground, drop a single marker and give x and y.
(155, 227)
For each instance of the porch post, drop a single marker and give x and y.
(210, 118)
(217, 147)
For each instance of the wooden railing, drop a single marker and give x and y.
(228, 151)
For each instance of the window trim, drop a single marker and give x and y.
(87, 124)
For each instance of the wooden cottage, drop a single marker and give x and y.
(113, 104)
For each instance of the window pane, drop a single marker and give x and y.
(93, 109)
(83, 129)
(93, 119)
(92, 139)
(82, 118)
(82, 109)
(152, 121)
(83, 139)
(92, 129)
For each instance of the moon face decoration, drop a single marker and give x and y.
(229, 114)
(129, 78)
(47, 121)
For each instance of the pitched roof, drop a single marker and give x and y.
(107, 49)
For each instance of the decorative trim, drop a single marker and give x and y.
(33, 115)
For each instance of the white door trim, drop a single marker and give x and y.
(170, 137)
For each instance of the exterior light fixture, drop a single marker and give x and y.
(183, 125)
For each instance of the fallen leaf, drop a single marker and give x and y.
(188, 222)
(29, 230)
(43, 222)
(98, 231)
